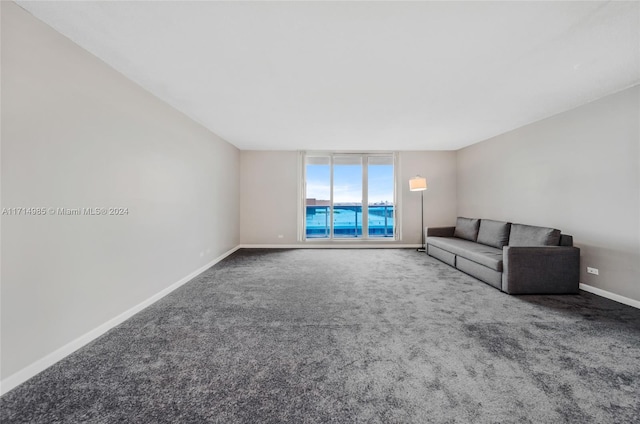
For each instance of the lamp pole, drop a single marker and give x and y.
(422, 248)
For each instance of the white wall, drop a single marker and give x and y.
(439, 168)
(269, 199)
(75, 134)
(578, 171)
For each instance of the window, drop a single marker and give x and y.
(336, 186)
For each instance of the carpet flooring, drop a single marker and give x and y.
(347, 336)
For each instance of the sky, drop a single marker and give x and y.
(348, 183)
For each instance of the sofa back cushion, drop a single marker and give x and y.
(566, 240)
(529, 235)
(467, 228)
(494, 233)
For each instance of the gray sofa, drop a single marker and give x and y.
(514, 258)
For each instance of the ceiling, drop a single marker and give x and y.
(361, 75)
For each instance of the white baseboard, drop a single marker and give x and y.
(338, 245)
(609, 295)
(41, 364)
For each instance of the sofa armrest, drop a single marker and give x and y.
(440, 231)
(541, 270)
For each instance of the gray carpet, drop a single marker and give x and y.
(348, 336)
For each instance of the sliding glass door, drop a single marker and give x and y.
(318, 220)
(380, 178)
(349, 196)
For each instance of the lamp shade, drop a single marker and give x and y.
(417, 183)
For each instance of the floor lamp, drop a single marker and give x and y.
(419, 183)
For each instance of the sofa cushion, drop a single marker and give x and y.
(529, 235)
(483, 273)
(467, 228)
(494, 233)
(446, 257)
(488, 256)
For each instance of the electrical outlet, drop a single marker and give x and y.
(593, 271)
(280, 236)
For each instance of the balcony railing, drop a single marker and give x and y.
(347, 221)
